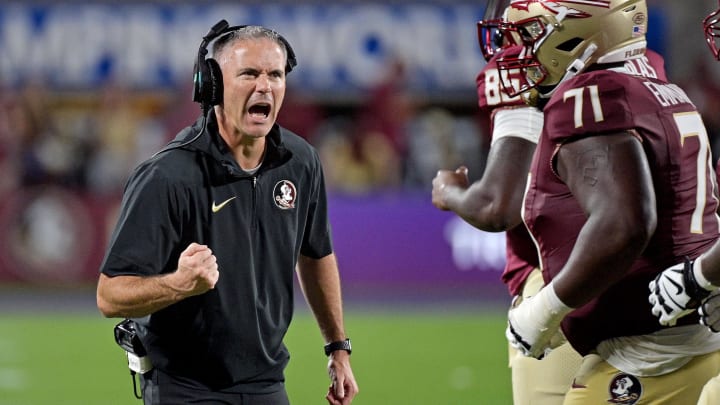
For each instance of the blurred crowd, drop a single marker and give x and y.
(388, 140)
(80, 141)
(90, 142)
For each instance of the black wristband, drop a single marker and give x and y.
(339, 345)
(692, 288)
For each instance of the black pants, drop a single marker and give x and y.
(159, 388)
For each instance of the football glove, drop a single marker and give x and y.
(535, 321)
(675, 292)
(710, 312)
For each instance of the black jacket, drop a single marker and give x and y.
(229, 338)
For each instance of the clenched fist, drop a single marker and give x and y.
(675, 292)
(197, 271)
(534, 324)
(448, 178)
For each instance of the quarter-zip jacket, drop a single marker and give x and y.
(229, 338)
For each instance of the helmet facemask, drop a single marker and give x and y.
(711, 24)
(489, 36)
(530, 34)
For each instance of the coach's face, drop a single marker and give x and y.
(254, 85)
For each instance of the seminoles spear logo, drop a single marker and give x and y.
(558, 9)
(285, 194)
(625, 389)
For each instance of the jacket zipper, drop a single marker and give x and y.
(254, 203)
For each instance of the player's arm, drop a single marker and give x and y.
(710, 262)
(717, 183)
(494, 202)
(610, 178)
(320, 283)
(137, 296)
(680, 289)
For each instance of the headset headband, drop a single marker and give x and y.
(207, 78)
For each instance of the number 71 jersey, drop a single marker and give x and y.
(676, 145)
(522, 255)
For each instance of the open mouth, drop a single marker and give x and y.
(260, 110)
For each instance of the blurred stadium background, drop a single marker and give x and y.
(385, 91)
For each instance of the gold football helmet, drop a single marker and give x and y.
(711, 24)
(563, 38)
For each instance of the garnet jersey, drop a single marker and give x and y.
(651, 65)
(521, 254)
(676, 145)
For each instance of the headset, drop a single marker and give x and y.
(207, 75)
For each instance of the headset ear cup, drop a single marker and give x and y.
(198, 77)
(203, 81)
(215, 89)
(291, 58)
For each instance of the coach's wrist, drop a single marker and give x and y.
(338, 345)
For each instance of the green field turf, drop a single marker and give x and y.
(399, 358)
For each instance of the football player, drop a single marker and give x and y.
(680, 289)
(494, 202)
(621, 187)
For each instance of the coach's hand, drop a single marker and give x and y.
(675, 293)
(533, 323)
(343, 387)
(197, 271)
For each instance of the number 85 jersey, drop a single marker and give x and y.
(675, 142)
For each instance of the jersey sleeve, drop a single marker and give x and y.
(593, 104)
(148, 226)
(522, 122)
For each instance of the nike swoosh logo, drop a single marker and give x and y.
(678, 286)
(218, 207)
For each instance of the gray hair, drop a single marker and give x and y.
(244, 33)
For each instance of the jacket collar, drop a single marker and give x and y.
(213, 146)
